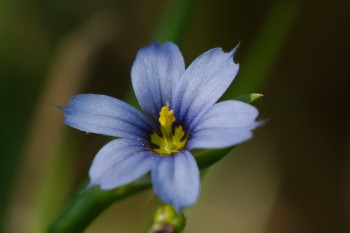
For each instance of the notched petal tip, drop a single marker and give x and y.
(66, 111)
(203, 83)
(233, 52)
(260, 123)
(62, 108)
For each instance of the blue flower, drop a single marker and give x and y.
(180, 113)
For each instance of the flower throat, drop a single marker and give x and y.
(169, 142)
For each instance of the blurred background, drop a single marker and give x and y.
(292, 177)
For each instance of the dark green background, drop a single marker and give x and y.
(299, 161)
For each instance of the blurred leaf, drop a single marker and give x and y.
(174, 24)
(266, 47)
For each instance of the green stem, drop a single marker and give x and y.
(88, 204)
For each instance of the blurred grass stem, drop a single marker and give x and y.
(39, 194)
(268, 43)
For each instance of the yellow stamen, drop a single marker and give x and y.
(166, 116)
(168, 143)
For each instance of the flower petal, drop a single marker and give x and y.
(118, 163)
(225, 124)
(106, 115)
(220, 137)
(155, 71)
(176, 179)
(202, 84)
(231, 113)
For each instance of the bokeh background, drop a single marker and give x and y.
(292, 177)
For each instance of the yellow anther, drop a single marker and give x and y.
(166, 116)
(168, 142)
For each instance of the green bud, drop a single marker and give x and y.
(248, 98)
(167, 220)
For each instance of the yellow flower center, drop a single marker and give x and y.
(169, 142)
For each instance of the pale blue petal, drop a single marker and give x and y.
(225, 124)
(154, 73)
(202, 84)
(106, 115)
(118, 163)
(231, 113)
(221, 137)
(175, 179)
